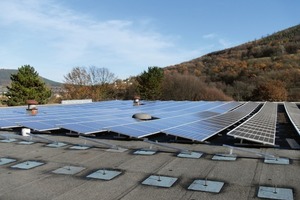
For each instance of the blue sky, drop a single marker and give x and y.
(128, 36)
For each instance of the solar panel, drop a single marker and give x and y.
(192, 135)
(293, 113)
(182, 108)
(132, 132)
(80, 128)
(39, 126)
(261, 127)
(7, 124)
(172, 119)
(96, 126)
(225, 107)
(203, 129)
(62, 114)
(122, 118)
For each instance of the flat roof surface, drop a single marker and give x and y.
(242, 178)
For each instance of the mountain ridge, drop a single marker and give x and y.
(244, 71)
(6, 73)
(267, 69)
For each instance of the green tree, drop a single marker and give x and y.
(150, 83)
(25, 85)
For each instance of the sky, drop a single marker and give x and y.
(128, 36)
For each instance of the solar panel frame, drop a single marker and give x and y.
(293, 113)
(258, 126)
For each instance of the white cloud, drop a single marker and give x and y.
(220, 42)
(209, 36)
(65, 38)
(224, 43)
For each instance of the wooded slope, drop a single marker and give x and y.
(264, 69)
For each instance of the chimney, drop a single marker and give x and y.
(136, 100)
(32, 109)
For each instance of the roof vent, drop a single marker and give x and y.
(142, 116)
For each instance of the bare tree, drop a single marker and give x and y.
(78, 76)
(100, 76)
(92, 82)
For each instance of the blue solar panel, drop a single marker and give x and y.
(125, 130)
(190, 134)
(79, 128)
(193, 119)
(225, 107)
(211, 126)
(185, 116)
(157, 124)
(53, 122)
(7, 124)
(39, 126)
(187, 108)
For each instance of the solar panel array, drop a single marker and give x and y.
(124, 124)
(294, 114)
(171, 117)
(115, 116)
(196, 121)
(54, 117)
(201, 130)
(261, 127)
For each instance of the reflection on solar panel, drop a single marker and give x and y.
(294, 114)
(261, 127)
(203, 129)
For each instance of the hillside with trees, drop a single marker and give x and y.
(155, 84)
(265, 69)
(6, 73)
(100, 84)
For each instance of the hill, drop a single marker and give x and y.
(264, 69)
(5, 78)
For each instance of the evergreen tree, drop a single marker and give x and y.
(150, 83)
(25, 85)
